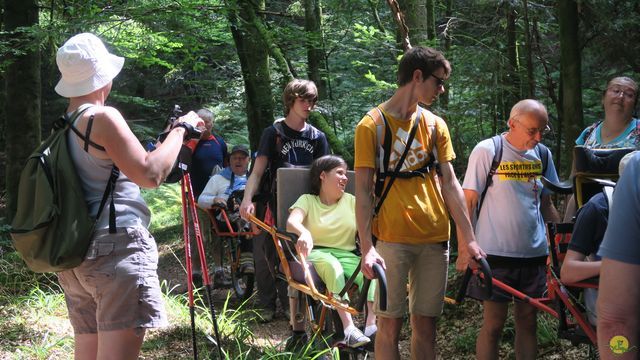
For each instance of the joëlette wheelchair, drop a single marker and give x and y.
(315, 303)
(232, 230)
(596, 170)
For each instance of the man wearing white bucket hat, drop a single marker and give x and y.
(114, 295)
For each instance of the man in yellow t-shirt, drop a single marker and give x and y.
(412, 226)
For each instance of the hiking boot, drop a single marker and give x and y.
(296, 342)
(265, 315)
(355, 338)
(246, 263)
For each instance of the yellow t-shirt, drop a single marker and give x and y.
(330, 225)
(413, 211)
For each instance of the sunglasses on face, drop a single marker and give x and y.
(439, 81)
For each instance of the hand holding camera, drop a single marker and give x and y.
(192, 124)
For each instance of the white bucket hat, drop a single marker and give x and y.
(86, 65)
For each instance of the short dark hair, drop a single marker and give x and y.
(425, 59)
(324, 163)
(298, 88)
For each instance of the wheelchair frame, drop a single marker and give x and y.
(242, 283)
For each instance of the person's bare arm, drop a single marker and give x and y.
(364, 213)
(576, 267)
(146, 169)
(455, 200)
(471, 200)
(294, 225)
(618, 310)
(246, 207)
(549, 211)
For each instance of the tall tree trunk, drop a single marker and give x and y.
(511, 82)
(444, 98)
(570, 72)
(531, 81)
(415, 16)
(316, 59)
(254, 62)
(403, 29)
(22, 107)
(431, 20)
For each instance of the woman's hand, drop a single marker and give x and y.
(304, 243)
(192, 119)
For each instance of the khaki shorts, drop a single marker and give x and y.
(424, 267)
(116, 287)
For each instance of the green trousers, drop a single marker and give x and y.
(335, 266)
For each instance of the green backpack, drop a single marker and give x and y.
(52, 227)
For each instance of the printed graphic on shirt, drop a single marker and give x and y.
(415, 156)
(297, 145)
(519, 170)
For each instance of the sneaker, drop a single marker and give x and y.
(265, 315)
(296, 342)
(246, 263)
(355, 338)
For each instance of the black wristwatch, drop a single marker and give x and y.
(189, 131)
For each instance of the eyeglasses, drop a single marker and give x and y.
(439, 81)
(626, 93)
(533, 131)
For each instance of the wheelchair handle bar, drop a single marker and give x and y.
(382, 288)
(487, 279)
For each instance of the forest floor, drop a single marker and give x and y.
(457, 327)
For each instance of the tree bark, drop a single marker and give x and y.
(415, 16)
(22, 106)
(512, 80)
(570, 73)
(254, 62)
(316, 59)
(431, 20)
(531, 81)
(403, 30)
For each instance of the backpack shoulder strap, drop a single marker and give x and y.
(394, 174)
(432, 125)
(497, 157)
(543, 153)
(591, 129)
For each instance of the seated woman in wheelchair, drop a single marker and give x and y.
(325, 223)
(618, 129)
(581, 262)
(219, 191)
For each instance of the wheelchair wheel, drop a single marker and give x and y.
(242, 284)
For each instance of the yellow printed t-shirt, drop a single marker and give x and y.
(413, 211)
(330, 225)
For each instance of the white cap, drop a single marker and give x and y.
(86, 65)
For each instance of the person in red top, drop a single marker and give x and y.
(209, 154)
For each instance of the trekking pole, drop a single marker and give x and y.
(187, 251)
(186, 187)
